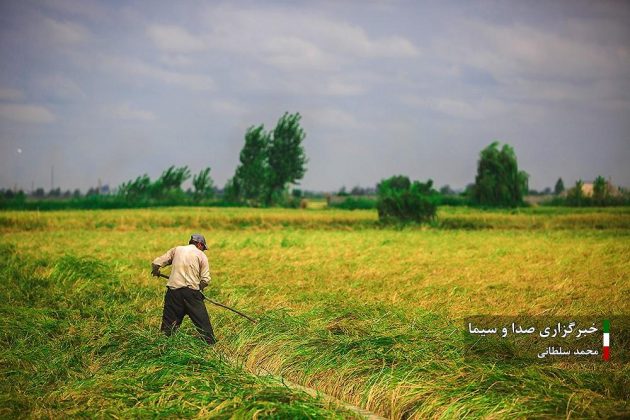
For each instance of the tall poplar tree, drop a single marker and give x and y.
(252, 175)
(499, 182)
(287, 160)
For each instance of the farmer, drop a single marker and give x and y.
(189, 276)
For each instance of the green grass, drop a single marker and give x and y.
(538, 218)
(75, 340)
(371, 315)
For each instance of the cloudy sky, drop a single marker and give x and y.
(111, 90)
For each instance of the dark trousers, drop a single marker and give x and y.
(185, 301)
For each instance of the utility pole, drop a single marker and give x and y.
(52, 177)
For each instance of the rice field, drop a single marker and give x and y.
(368, 314)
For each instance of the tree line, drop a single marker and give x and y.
(268, 163)
(271, 161)
(168, 187)
(498, 183)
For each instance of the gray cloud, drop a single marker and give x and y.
(8, 94)
(174, 39)
(260, 31)
(58, 87)
(64, 32)
(130, 112)
(34, 114)
(107, 91)
(131, 67)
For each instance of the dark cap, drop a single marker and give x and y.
(196, 237)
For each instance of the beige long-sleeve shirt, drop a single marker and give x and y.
(190, 267)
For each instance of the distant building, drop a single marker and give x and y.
(587, 189)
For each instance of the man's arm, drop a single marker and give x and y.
(204, 273)
(162, 261)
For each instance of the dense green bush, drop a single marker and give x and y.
(499, 183)
(400, 200)
(354, 203)
(584, 201)
(453, 200)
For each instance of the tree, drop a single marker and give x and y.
(600, 190)
(252, 175)
(400, 200)
(575, 196)
(269, 162)
(498, 181)
(286, 156)
(134, 190)
(167, 187)
(169, 184)
(357, 190)
(204, 187)
(447, 190)
(231, 191)
(92, 191)
(559, 188)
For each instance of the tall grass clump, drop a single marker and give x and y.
(73, 342)
(401, 201)
(370, 356)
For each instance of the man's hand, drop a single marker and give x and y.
(155, 270)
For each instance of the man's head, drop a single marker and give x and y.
(199, 241)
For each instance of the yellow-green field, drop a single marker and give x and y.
(371, 315)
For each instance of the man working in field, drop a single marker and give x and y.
(189, 276)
